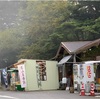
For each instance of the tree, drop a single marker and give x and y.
(82, 24)
(49, 23)
(43, 17)
(10, 46)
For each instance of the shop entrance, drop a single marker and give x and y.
(66, 75)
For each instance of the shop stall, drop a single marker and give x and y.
(35, 75)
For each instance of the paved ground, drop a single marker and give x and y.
(59, 94)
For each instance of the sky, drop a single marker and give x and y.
(9, 14)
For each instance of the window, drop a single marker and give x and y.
(42, 70)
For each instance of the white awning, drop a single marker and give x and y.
(64, 60)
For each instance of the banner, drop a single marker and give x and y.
(89, 72)
(4, 74)
(22, 75)
(86, 73)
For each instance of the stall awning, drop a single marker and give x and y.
(64, 60)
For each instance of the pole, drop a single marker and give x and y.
(63, 71)
(74, 59)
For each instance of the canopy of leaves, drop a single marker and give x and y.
(44, 17)
(10, 45)
(44, 24)
(54, 22)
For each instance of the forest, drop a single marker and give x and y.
(44, 24)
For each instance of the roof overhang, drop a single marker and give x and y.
(64, 59)
(22, 61)
(76, 47)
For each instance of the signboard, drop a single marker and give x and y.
(76, 75)
(89, 72)
(22, 75)
(83, 74)
(86, 73)
(81, 71)
(75, 72)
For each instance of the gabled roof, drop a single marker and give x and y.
(88, 45)
(71, 47)
(77, 46)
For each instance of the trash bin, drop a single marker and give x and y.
(19, 88)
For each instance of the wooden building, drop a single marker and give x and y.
(76, 52)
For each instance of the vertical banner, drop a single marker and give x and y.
(22, 75)
(89, 72)
(76, 75)
(81, 71)
(86, 73)
(4, 73)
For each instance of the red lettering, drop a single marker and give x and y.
(89, 76)
(88, 71)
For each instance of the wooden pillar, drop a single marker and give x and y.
(63, 70)
(74, 58)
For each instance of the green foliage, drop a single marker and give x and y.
(85, 10)
(59, 21)
(10, 45)
(91, 54)
(45, 17)
(44, 24)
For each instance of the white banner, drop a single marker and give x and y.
(22, 75)
(89, 72)
(86, 73)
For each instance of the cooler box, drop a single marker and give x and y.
(18, 87)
